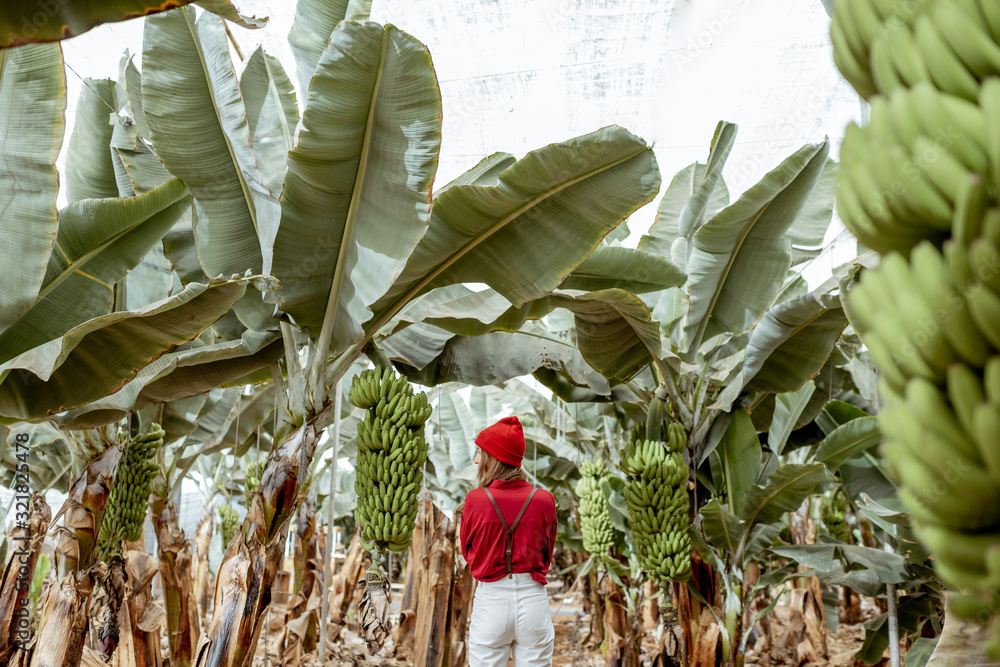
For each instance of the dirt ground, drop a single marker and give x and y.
(571, 630)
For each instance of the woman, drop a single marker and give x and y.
(508, 532)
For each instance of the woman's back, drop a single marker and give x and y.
(482, 533)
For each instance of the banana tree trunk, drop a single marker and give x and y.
(433, 634)
(178, 587)
(63, 630)
(202, 580)
(594, 605)
(461, 604)
(963, 643)
(24, 544)
(253, 557)
(621, 641)
(305, 547)
(138, 622)
(65, 611)
(306, 564)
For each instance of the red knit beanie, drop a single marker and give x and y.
(503, 441)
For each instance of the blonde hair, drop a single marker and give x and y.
(492, 469)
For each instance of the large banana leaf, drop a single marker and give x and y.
(32, 101)
(614, 331)
(357, 191)
(459, 428)
(98, 357)
(198, 127)
(848, 440)
(462, 311)
(785, 490)
(179, 375)
(98, 242)
(272, 114)
(152, 279)
(788, 407)
(417, 345)
(229, 12)
(90, 172)
(523, 236)
(486, 172)
(739, 455)
(696, 194)
(788, 346)
(809, 229)
(314, 22)
(26, 21)
(497, 357)
(739, 258)
(634, 271)
(805, 330)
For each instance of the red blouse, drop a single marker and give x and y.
(482, 534)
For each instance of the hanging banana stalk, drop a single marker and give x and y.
(24, 544)
(391, 451)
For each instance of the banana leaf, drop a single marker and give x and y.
(90, 171)
(502, 235)
(740, 458)
(739, 258)
(696, 194)
(198, 128)
(98, 242)
(272, 115)
(180, 375)
(614, 331)
(635, 271)
(228, 11)
(500, 356)
(809, 228)
(32, 101)
(357, 193)
(789, 345)
(848, 440)
(787, 409)
(314, 22)
(27, 21)
(786, 489)
(101, 355)
(152, 279)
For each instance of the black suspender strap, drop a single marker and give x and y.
(509, 532)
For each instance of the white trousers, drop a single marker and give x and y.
(511, 615)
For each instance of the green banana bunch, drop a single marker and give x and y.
(659, 507)
(129, 495)
(921, 184)
(230, 520)
(881, 46)
(917, 171)
(835, 516)
(252, 477)
(391, 453)
(595, 519)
